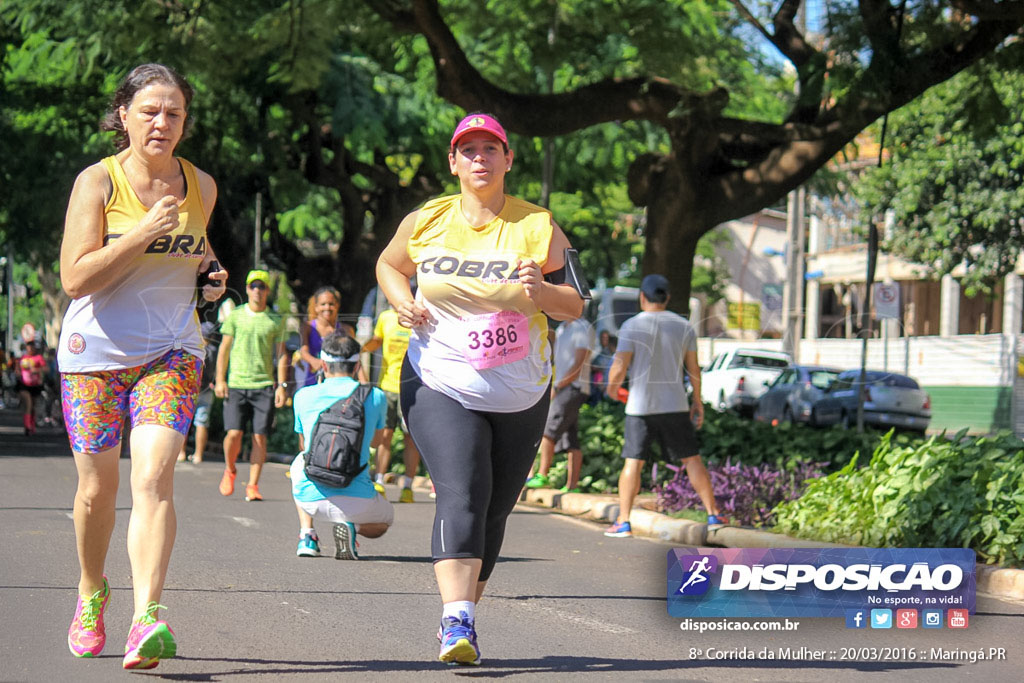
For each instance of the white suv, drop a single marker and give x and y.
(737, 378)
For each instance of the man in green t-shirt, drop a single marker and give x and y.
(252, 338)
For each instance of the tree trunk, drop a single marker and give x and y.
(55, 302)
(670, 251)
(675, 222)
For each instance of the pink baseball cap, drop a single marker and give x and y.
(483, 122)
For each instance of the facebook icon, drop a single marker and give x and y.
(856, 618)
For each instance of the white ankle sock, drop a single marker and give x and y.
(453, 609)
(311, 531)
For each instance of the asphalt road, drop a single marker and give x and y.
(564, 603)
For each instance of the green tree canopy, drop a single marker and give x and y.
(726, 150)
(337, 112)
(319, 107)
(954, 180)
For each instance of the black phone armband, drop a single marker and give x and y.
(574, 273)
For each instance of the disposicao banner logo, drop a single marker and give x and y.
(816, 582)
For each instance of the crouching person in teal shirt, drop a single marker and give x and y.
(356, 508)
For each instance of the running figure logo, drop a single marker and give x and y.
(696, 580)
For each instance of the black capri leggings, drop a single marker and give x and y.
(478, 462)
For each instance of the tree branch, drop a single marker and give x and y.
(753, 21)
(1005, 9)
(608, 100)
(747, 140)
(396, 13)
(789, 39)
(935, 66)
(790, 153)
(879, 28)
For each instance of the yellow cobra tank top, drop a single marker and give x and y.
(487, 346)
(151, 309)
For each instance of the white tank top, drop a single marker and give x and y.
(151, 309)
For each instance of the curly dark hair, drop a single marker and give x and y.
(137, 79)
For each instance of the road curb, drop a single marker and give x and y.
(1000, 582)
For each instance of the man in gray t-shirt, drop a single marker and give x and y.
(655, 346)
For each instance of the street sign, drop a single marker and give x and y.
(771, 296)
(887, 300)
(745, 316)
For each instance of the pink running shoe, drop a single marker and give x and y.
(87, 636)
(149, 641)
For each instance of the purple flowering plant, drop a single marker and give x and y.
(747, 494)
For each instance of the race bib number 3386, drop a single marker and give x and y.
(495, 339)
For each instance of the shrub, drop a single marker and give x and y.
(746, 493)
(282, 438)
(960, 492)
(725, 436)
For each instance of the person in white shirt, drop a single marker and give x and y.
(574, 345)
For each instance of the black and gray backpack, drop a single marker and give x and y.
(335, 447)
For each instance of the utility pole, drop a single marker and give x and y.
(793, 289)
(257, 237)
(865, 318)
(9, 288)
(547, 176)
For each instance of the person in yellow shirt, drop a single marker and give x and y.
(393, 339)
(476, 379)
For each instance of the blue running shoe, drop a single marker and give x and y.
(309, 546)
(458, 641)
(718, 521)
(345, 546)
(619, 530)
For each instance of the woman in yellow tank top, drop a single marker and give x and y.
(134, 242)
(476, 378)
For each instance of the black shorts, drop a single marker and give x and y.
(673, 431)
(243, 405)
(33, 390)
(562, 426)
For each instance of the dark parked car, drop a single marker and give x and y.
(790, 397)
(890, 400)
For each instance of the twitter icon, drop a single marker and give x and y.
(881, 618)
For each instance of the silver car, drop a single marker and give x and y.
(792, 395)
(890, 400)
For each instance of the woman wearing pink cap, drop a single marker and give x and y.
(476, 378)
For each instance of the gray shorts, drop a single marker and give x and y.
(562, 426)
(673, 431)
(394, 417)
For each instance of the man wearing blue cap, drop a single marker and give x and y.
(655, 346)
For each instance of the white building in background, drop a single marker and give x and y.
(963, 351)
(752, 307)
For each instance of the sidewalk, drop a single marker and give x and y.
(995, 581)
